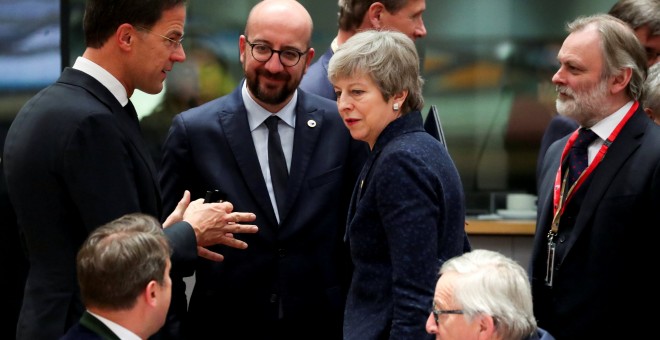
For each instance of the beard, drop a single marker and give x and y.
(586, 105)
(272, 95)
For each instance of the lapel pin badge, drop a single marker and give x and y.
(311, 123)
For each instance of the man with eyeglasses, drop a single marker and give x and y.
(74, 159)
(294, 274)
(483, 295)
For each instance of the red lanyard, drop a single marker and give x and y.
(561, 195)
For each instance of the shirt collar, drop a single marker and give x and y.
(334, 45)
(605, 127)
(119, 330)
(257, 114)
(104, 77)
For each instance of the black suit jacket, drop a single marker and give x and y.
(74, 159)
(89, 328)
(294, 271)
(614, 231)
(558, 127)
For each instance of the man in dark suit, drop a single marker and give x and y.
(12, 254)
(589, 233)
(404, 16)
(120, 301)
(74, 159)
(643, 16)
(293, 273)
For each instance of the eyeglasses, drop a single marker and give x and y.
(169, 42)
(263, 53)
(437, 312)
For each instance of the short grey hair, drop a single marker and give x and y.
(620, 49)
(493, 284)
(638, 13)
(389, 58)
(652, 90)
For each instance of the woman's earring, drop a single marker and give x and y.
(395, 106)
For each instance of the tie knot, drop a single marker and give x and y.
(271, 123)
(585, 137)
(130, 109)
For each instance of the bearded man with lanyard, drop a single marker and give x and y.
(593, 224)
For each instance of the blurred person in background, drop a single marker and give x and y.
(643, 16)
(651, 101)
(203, 77)
(358, 15)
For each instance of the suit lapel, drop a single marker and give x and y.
(307, 131)
(359, 189)
(625, 144)
(78, 78)
(237, 131)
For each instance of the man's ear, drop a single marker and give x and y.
(487, 327)
(151, 293)
(649, 112)
(309, 56)
(620, 81)
(125, 35)
(242, 46)
(374, 15)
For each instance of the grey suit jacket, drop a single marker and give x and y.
(295, 272)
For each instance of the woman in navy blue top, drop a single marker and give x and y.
(407, 213)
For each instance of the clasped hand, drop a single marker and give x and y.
(213, 223)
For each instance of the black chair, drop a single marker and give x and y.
(433, 126)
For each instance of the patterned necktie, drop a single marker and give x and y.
(578, 155)
(277, 163)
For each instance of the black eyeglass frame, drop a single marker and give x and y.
(273, 51)
(437, 312)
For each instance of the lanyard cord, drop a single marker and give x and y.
(561, 194)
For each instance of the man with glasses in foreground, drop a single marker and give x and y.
(483, 295)
(294, 272)
(74, 159)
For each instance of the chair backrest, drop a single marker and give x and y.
(433, 126)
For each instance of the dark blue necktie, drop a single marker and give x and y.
(277, 163)
(578, 155)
